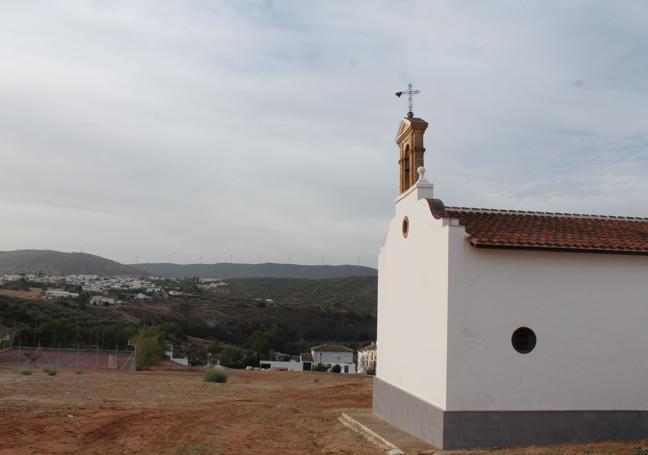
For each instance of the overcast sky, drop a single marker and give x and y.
(158, 129)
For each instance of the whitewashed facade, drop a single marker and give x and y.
(449, 311)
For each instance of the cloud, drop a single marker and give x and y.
(214, 128)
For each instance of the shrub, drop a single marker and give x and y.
(149, 347)
(78, 371)
(196, 355)
(336, 369)
(233, 357)
(216, 374)
(51, 371)
(319, 367)
(26, 372)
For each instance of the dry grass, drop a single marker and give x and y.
(32, 294)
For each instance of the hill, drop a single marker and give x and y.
(357, 294)
(58, 263)
(268, 270)
(308, 312)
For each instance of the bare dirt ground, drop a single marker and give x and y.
(174, 412)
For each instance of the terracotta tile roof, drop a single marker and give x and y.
(369, 347)
(546, 230)
(331, 348)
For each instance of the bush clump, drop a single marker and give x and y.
(149, 347)
(51, 371)
(216, 374)
(26, 372)
(336, 369)
(78, 371)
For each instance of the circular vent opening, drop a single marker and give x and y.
(523, 340)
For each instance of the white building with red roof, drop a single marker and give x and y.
(505, 328)
(330, 355)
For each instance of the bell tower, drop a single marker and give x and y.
(410, 143)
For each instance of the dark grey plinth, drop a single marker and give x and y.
(472, 429)
(408, 412)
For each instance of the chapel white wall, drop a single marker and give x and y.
(590, 316)
(412, 298)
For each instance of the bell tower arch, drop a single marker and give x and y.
(410, 143)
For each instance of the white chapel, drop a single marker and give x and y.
(505, 328)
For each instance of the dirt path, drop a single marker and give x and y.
(175, 412)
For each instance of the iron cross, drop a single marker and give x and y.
(410, 92)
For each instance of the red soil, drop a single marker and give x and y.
(175, 412)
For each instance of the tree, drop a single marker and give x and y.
(261, 343)
(275, 338)
(149, 347)
(196, 355)
(83, 300)
(235, 358)
(213, 352)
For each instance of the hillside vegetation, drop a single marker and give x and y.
(305, 312)
(50, 262)
(356, 294)
(268, 270)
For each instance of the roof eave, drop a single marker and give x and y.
(478, 244)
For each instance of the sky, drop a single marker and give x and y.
(207, 131)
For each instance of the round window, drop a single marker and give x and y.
(405, 227)
(523, 340)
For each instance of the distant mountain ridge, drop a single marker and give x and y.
(267, 270)
(51, 262)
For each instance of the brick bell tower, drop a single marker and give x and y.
(410, 143)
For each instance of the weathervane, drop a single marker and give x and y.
(410, 92)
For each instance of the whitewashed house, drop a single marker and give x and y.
(60, 294)
(101, 300)
(367, 359)
(12, 277)
(327, 355)
(290, 365)
(500, 328)
(330, 355)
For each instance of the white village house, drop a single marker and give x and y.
(328, 355)
(60, 294)
(367, 359)
(334, 354)
(529, 327)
